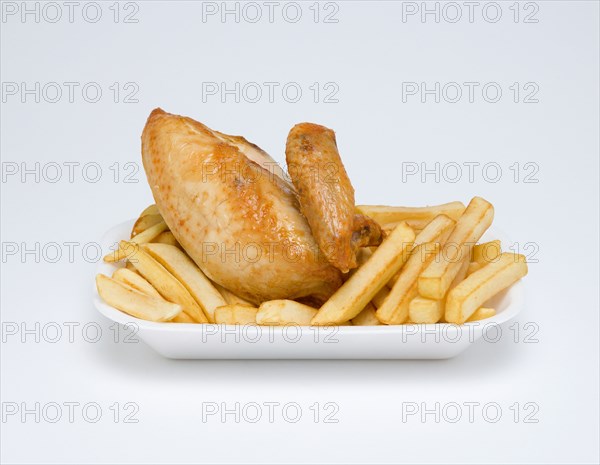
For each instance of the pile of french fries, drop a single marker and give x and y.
(430, 268)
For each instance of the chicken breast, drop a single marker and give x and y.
(228, 205)
(326, 195)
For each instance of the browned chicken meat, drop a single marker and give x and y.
(227, 203)
(326, 195)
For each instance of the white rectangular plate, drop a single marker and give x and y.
(212, 341)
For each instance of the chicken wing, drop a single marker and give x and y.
(228, 205)
(326, 195)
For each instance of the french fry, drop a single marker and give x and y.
(165, 283)
(406, 280)
(133, 279)
(357, 292)
(463, 272)
(412, 215)
(436, 278)
(486, 252)
(141, 238)
(473, 267)
(415, 224)
(230, 297)
(284, 312)
(235, 315)
(428, 311)
(437, 230)
(145, 222)
(150, 210)
(389, 227)
(133, 302)
(148, 234)
(183, 318)
(363, 254)
(167, 237)
(379, 298)
(187, 272)
(366, 317)
(395, 307)
(422, 310)
(481, 314)
(394, 310)
(476, 289)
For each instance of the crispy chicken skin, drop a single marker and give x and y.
(326, 195)
(226, 202)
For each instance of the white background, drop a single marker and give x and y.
(368, 54)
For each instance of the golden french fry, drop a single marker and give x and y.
(133, 279)
(422, 310)
(486, 252)
(187, 272)
(380, 297)
(150, 233)
(164, 282)
(418, 216)
(362, 256)
(437, 230)
(150, 210)
(428, 311)
(482, 313)
(415, 224)
(235, 315)
(395, 308)
(462, 273)
(399, 316)
(436, 278)
(230, 297)
(133, 302)
(167, 237)
(145, 222)
(284, 312)
(357, 292)
(183, 318)
(366, 317)
(141, 238)
(476, 289)
(473, 267)
(388, 228)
